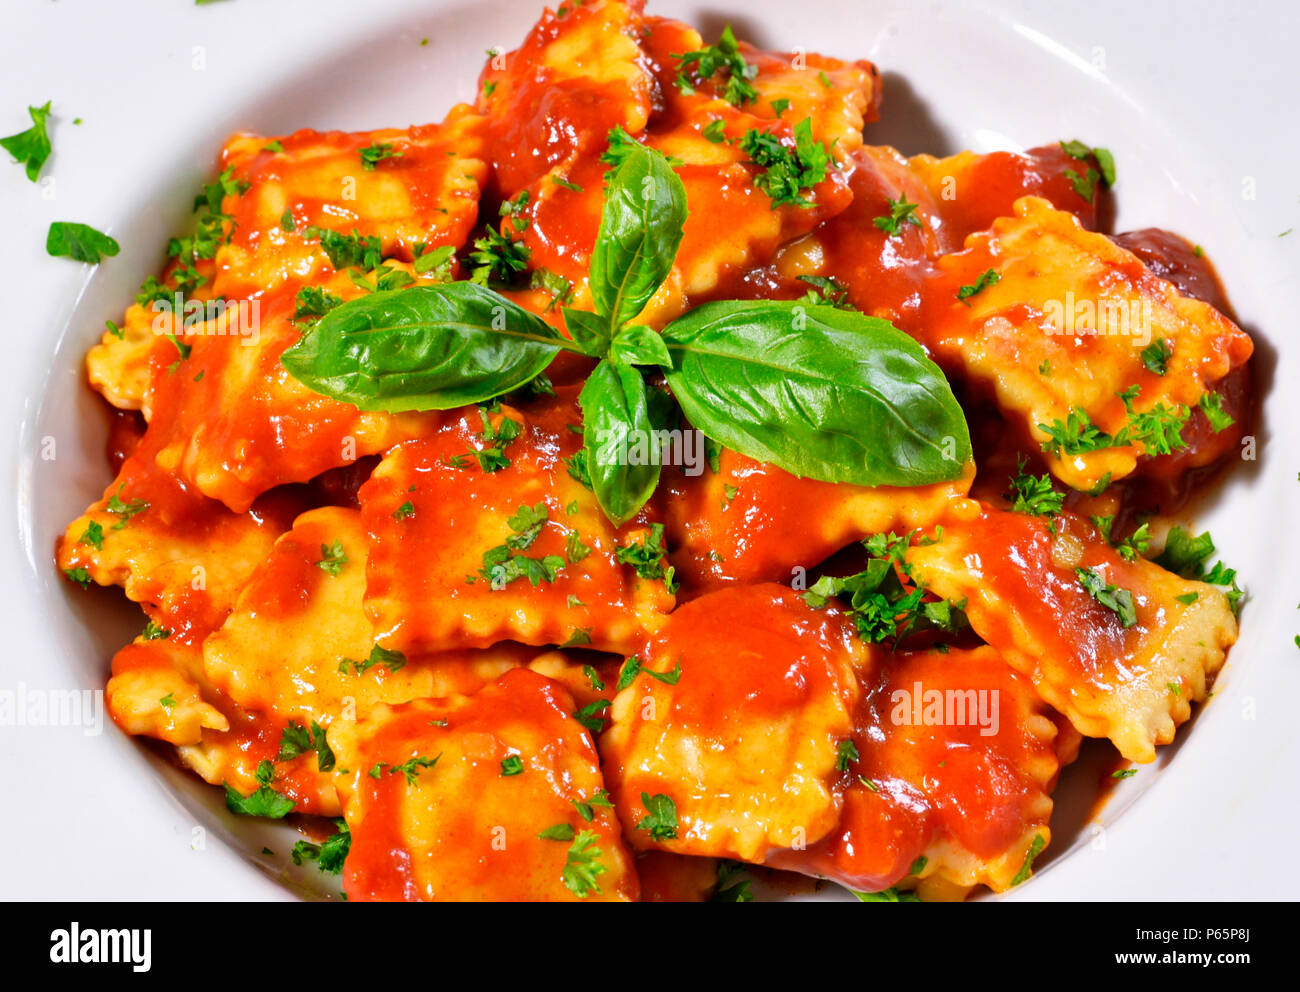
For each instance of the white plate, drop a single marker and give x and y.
(1193, 98)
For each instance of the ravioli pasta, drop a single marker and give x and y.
(425, 626)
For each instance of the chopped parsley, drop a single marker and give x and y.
(1118, 601)
(492, 457)
(648, 557)
(589, 715)
(787, 172)
(845, 755)
(1076, 436)
(514, 209)
(497, 258)
(583, 866)
(79, 242)
(891, 894)
(124, 511)
(587, 808)
(314, 301)
(1105, 170)
(1156, 355)
(1033, 494)
(1186, 555)
(987, 279)
(332, 558)
(330, 855)
(347, 251)
(1211, 404)
(661, 817)
(412, 767)
(264, 801)
(1035, 849)
(372, 155)
(391, 661)
(1159, 429)
(722, 59)
(900, 212)
(32, 147)
(883, 600)
(826, 291)
(505, 563)
(155, 632)
(512, 765)
(296, 740)
(633, 667)
(93, 536)
(732, 885)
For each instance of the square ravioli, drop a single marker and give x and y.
(1061, 336)
(537, 828)
(736, 717)
(578, 74)
(404, 188)
(158, 689)
(180, 555)
(232, 421)
(483, 533)
(299, 646)
(954, 760)
(1131, 678)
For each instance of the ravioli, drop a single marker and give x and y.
(956, 760)
(578, 74)
(524, 836)
(406, 188)
(300, 647)
(745, 740)
(158, 690)
(464, 556)
(180, 555)
(731, 225)
(232, 421)
(1132, 684)
(1063, 331)
(751, 522)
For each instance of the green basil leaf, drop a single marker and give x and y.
(79, 242)
(639, 345)
(640, 230)
(424, 348)
(617, 429)
(824, 393)
(589, 332)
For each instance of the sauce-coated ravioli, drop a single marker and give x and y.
(516, 748)
(392, 572)
(742, 726)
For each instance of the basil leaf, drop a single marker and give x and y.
(640, 230)
(423, 348)
(639, 345)
(824, 393)
(589, 332)
(79, 242)
(617, 430)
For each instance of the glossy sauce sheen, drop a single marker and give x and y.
(772, 726)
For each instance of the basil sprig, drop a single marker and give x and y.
(821, 392)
